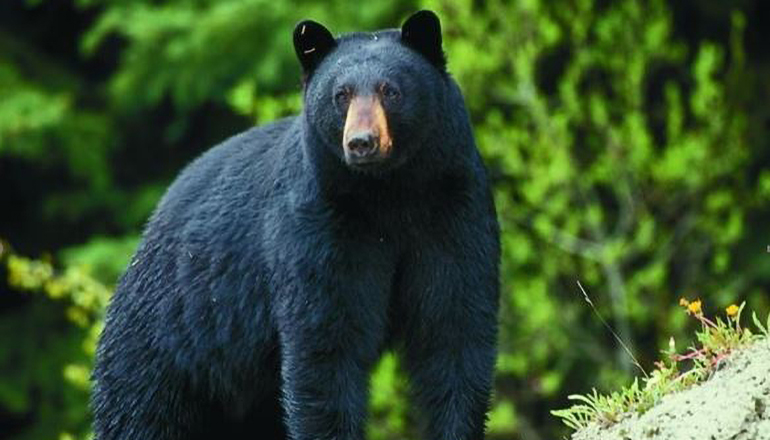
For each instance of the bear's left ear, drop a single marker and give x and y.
(422, 32)
(312, 42)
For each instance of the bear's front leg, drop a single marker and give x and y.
(451, 334)
(331, 317)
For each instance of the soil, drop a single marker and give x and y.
(734, 404)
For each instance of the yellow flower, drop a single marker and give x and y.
(683, 302)
(694, 307)
(732, 310)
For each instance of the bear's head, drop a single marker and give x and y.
(373, 99)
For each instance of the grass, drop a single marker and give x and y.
(716, 339)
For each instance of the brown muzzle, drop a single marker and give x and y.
(366, 138)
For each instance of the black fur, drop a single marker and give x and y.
(272, 275)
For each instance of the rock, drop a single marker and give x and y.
(732, 405)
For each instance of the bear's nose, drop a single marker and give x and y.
(362, 144)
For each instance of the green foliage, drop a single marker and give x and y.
(86, 296)
(60, 364)
(626, 153)
(387, 403)
(171, 45)
(24, 109)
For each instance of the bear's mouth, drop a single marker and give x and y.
(369, 166)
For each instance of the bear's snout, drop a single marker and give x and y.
(366, 138)
(363, 145)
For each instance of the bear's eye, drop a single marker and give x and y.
(342, 97)
(389, 92)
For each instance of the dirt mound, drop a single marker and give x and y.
(733, 405)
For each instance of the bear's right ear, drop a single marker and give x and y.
(312, 42)
(422, 32)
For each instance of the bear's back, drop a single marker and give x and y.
(230, 176)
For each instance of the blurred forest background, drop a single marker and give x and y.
(628, 140)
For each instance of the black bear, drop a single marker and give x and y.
(282, 263)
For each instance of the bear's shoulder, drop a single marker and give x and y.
(233, 168)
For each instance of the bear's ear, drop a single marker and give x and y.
(312, 42)
(422, 32)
